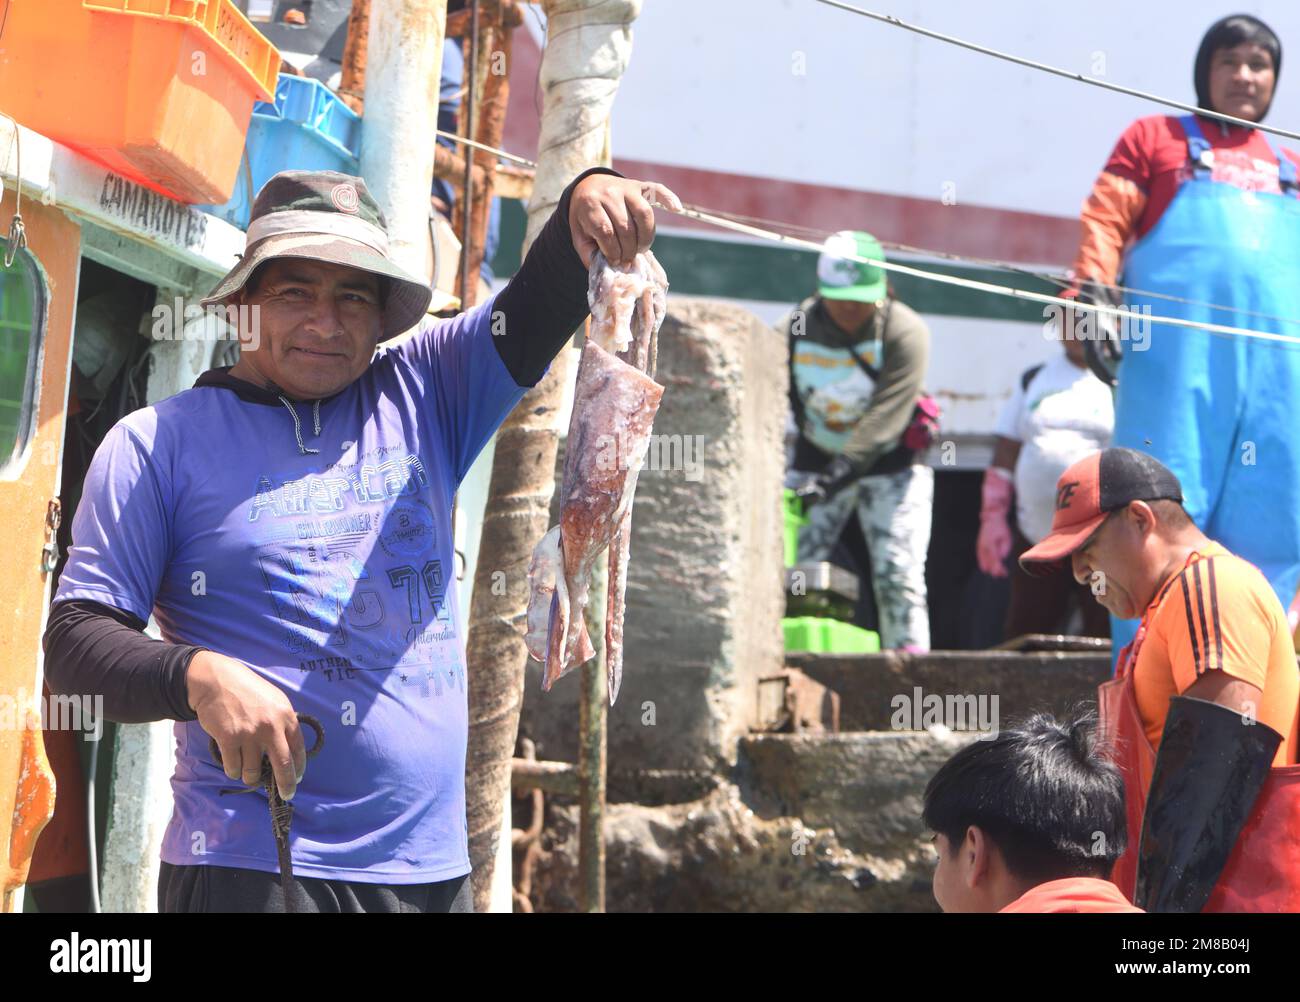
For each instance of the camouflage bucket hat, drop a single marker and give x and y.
(323, 215)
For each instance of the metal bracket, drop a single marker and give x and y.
(50, 551)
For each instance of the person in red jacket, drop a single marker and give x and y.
(1029, 821)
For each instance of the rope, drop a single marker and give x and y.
(1066, 282)
(1061, 279)
(1056, 71)
(738, 222)
(485, 148)
(990, 287)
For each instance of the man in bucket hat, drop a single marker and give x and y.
(287, 521)
(1202, 717)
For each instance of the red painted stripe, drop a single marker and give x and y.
(973, 230)
(976, 231)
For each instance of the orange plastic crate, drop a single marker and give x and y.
(161, 91)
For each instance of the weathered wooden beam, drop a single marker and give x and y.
(512, 182)
(508, 181)
(550, 777)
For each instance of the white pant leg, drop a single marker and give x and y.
(896, 511)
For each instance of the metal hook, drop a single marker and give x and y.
(17, 231)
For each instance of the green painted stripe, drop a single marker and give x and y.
(698, 266)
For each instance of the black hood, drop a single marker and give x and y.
(1226, 33)
(250, 392)
(221, 378)
(242, 388)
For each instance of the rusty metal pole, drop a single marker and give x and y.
(467, 285)
(593, 710)
(352, 81)
(493, 75)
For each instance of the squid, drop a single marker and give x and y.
(614, 406)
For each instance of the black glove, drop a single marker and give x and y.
(837, 475)
(1209, 771)
(1102, 351)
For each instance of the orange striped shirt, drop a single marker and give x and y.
(1219, 614)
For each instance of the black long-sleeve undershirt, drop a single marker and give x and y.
(547, 295)
(99, 650)
(96, 649)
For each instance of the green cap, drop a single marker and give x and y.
(840, 278)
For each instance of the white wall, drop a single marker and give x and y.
(714, 86)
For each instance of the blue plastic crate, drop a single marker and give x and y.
(311, 103)
(308, 128)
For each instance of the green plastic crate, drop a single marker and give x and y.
(828, 636)
(794, 521)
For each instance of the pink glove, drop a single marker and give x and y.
(994, 542)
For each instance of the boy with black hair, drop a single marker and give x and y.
(1030, 821)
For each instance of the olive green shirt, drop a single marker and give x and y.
(840, 409)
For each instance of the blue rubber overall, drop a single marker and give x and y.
(1221, 411)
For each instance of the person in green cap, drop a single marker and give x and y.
(860, 424)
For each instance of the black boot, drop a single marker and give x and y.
(1209, 771)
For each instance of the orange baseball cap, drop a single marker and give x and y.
(1089, 491)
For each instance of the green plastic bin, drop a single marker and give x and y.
(828, 636)
(792, 506)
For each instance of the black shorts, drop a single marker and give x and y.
(205, 888)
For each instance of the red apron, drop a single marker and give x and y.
(1263, 872)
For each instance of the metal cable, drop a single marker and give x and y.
(1060, 279)
(1056, 71)
(739, 222)
(1120, 313)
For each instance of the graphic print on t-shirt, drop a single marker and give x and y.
(350, 565)
(834, 390)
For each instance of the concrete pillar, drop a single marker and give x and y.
(139, 809)
(704, 594)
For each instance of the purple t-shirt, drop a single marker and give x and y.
(331, 575)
